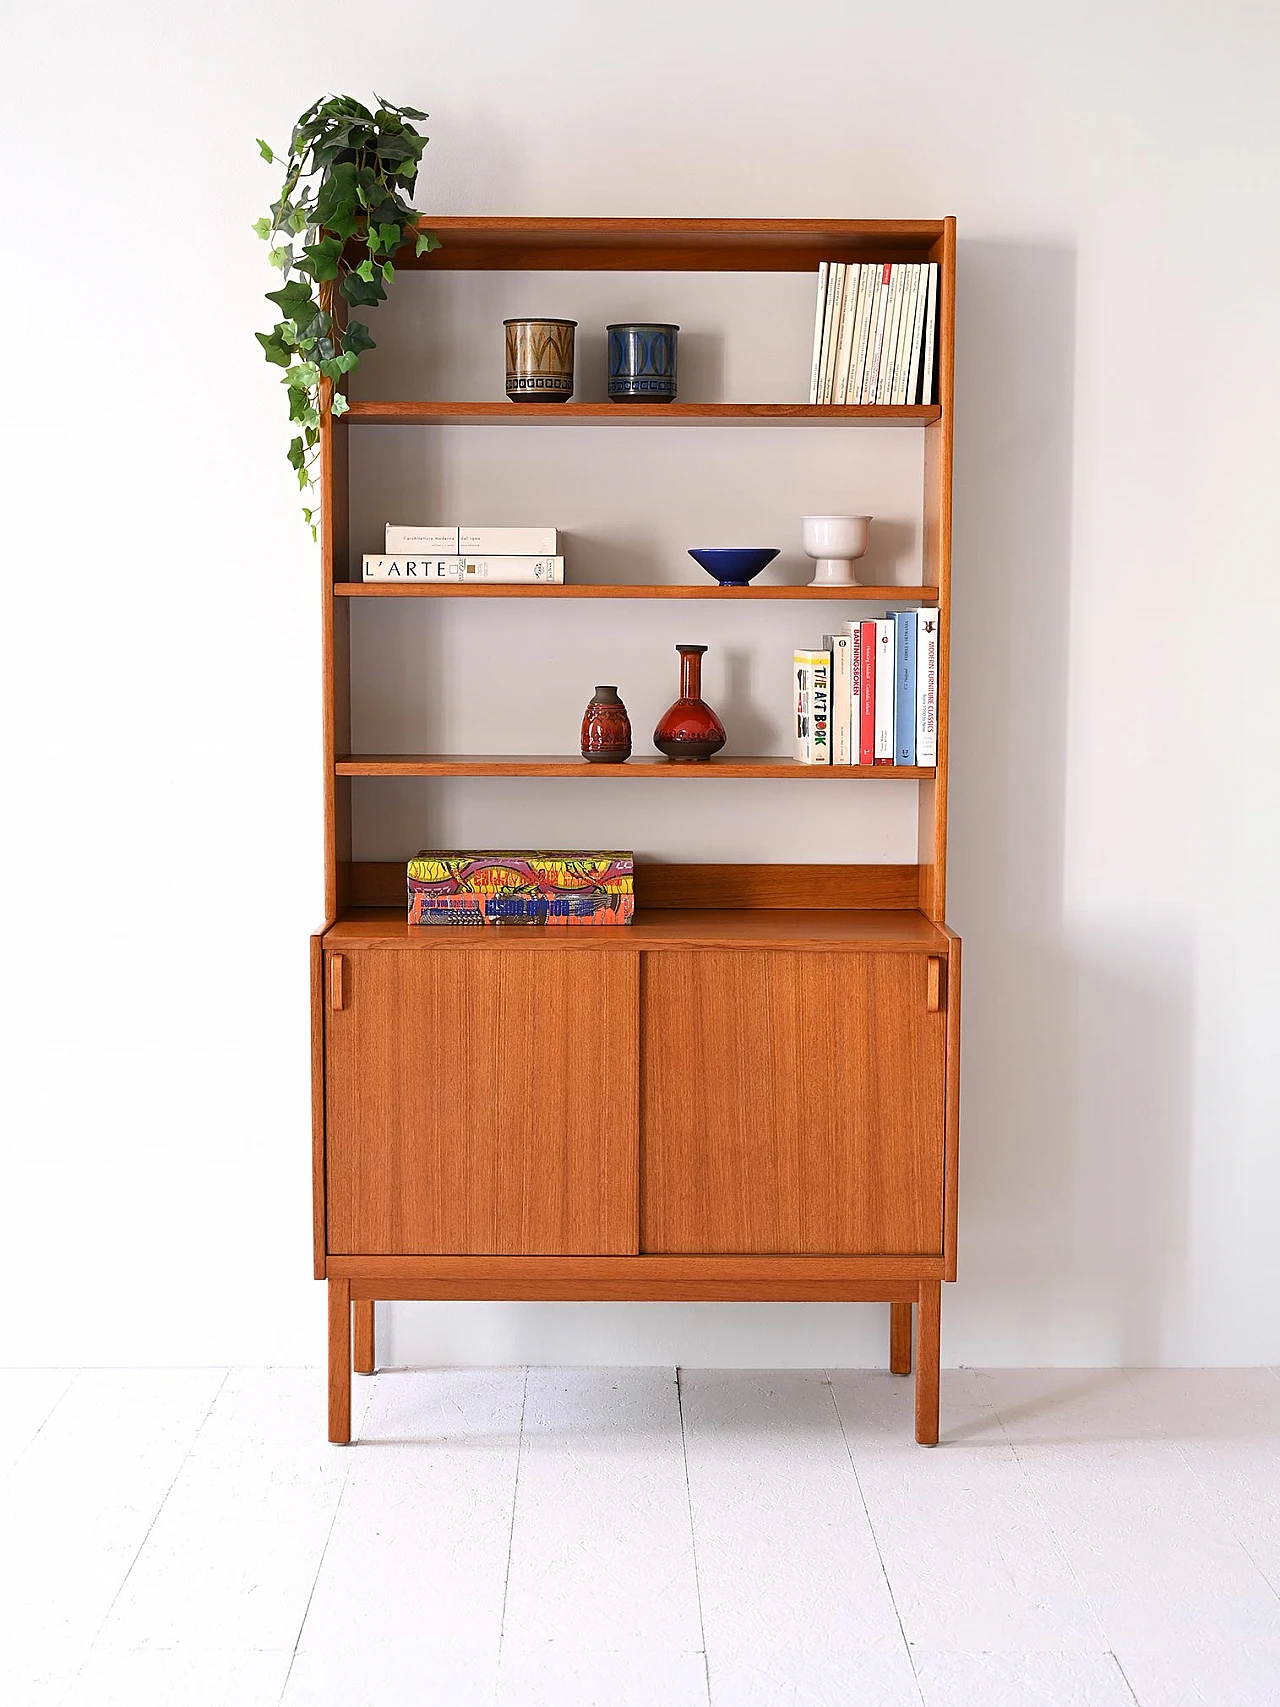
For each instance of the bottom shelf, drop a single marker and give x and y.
(656, 928)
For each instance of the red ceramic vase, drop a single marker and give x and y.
(606, 729)
(690, 730)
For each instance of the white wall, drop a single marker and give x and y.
(1114, 818)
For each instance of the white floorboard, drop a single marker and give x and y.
(613, 1538)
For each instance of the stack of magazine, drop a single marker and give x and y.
(874, 332)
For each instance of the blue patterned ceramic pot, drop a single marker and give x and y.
(642, 362)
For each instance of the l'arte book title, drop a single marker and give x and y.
(540, 888)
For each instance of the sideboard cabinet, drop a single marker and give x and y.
(752, 1092)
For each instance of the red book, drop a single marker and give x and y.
(867, 697)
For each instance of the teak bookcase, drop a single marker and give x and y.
(787, 1146)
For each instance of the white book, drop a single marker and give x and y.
(927, 686)
(835, 299)
(917, 337)
(509, 542)
(926, 390)
(811, 686)
(876, 344)
(884, 378)
(868, 295)
(902, 363)
(498, 571)
(819, 313)
(404, 540)
(840, 647)
(884, 690)
(840, 385)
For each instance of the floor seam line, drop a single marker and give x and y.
(511, 1535)
(693, 1538)
(875, 1539)
(164, 1500)
(75, 1376)
(328, 1536)
(1050, 1527)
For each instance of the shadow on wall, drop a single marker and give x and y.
(1076, 1096)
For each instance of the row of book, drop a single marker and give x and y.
(501, 556)
(869, 696)
(874, 331)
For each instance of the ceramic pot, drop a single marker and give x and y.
(690, 729)
(539, 360)
(642, 362)
(606, 729)
(835, 541)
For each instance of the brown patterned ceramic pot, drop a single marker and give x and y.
(539, 360)
(606, 729)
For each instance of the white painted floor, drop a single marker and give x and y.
(565, 1537)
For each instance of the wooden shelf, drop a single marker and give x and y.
(507, 414)
(672, 245)
(566, 765)
(613, 590)
(905, 931)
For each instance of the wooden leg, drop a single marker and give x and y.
(362, 1320)
(900, 1339)
(340, 1361)
(928, 1325)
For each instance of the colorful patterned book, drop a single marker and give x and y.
(491, 888)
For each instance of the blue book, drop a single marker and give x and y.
(904, 687)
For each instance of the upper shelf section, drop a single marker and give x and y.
(675, 245)
(507, 414)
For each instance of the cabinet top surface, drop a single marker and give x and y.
(843, 929)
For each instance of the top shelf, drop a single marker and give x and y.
(674, 245)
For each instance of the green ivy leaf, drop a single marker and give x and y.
(273, 349)
(293, 300)
(365, 270)
(356, 339)
(299, 219)
(330, 369)
(427, 241)
(265, 152)
(296, 452)
(390, 237)
(339, 405)
(303, 376)
(320, 260)
(262, 227)
(362, 293)
(347, 361)
(280, 258)
(388, 272)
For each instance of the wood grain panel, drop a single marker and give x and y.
(382, 884)
(793, 1102)
(799, 1279)
(483, 1103)
(318, 1242)
(836, 930)
(938, 452)
(951, 1202)
(364, 1355)
(339, 1360)
(928, 1358)
(900, 1339)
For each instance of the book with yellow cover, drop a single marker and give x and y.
(535, 888)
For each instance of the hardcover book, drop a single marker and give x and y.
(840, 646)
(884, 690)
(927, 687)
(538, 888)
(405, 540)
(811, 680)
(904, 687)
(499, 571)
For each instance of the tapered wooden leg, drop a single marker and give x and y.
(362, 1322)
(340, 1361)
(900, 1339)
(928, 1325)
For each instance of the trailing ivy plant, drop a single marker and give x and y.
(342, 218)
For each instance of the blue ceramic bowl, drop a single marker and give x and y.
(734, 566)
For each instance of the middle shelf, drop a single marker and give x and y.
(612, 590)
(566, 765)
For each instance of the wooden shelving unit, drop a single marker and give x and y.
(800, 1140)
